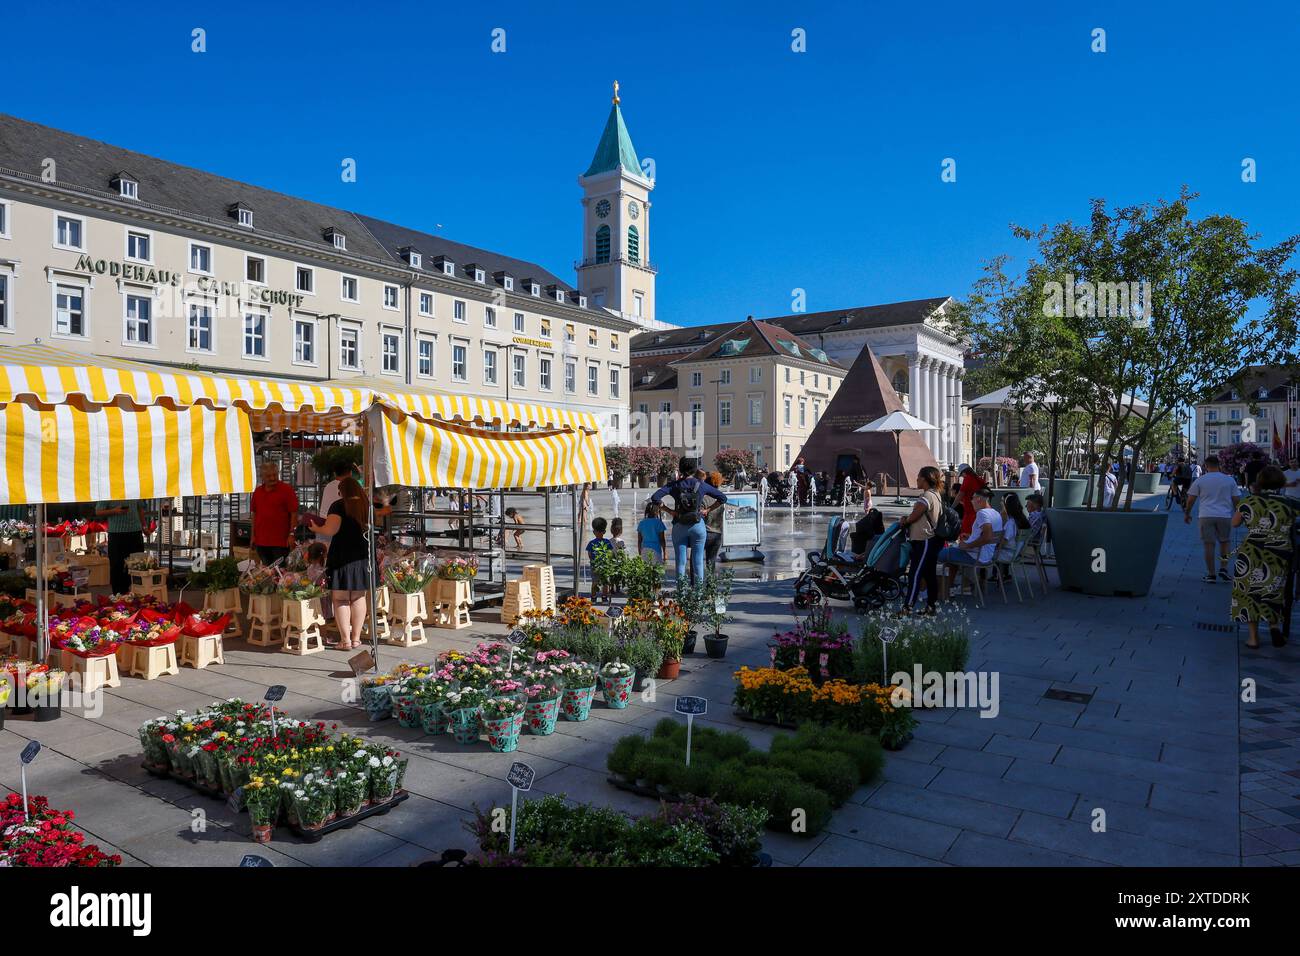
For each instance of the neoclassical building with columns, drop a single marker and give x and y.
(921, 358)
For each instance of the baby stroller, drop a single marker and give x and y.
(778, 488)
(869, 584)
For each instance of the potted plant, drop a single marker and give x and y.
(350, 789)
(717, 588)
(406, 579)
(462, 708)
(542, 710)
(579, 688)
(405, 693)
(263, 801)
(690, 598)
(385, 773)
(431, 698)
(616, 679)
(616, 463)
(638, 646)
(503, 719)
(43, 693)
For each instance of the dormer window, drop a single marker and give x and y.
(446, 265)
(556, 292)
(241, 213)
(1263, 392)
(534, 287)
(126, 186)
(479, 275)
(505, 280)
(582, 301)
(337, 239)
(412, 257)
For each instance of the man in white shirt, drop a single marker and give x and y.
(979, 545)
(1029, 473)
(1292, 474)
(1217, 493)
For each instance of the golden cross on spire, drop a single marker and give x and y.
(616, 92)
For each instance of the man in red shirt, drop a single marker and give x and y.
(275, 515)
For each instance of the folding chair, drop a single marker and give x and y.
(1034, 550)
(1017, 560)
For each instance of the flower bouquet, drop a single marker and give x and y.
(259, 580)
(503, 719)
(404, 693)
(384, 775)
(94, 641)
(409, 575)
(457, 568)
(616, 680)
(543, 690)
(376, 696)
(37, 835)
(145, 561)
(462, 707)
(579, 689)
(297, 586)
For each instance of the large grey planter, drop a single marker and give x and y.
(1107, 553)
(1069, 492)
(1001, 493)
(1146, 483)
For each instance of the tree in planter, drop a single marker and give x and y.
(617, 462)
(1142, 303)
(717, 593)
(1233, 458)
(729, 461)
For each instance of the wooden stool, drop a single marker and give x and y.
(154, 662)
(226, 602)
(541, 578)
(453, 604)
(381, 615)
(302, 621)
(518, 599)
(264, 619)
(96, 672)
(199, 652)
(408, 612)
(150, 584)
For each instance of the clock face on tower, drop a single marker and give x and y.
(634, 209)
(602, 208)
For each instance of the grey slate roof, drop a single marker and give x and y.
(1248, 381)
(801, 324)
(90, 165)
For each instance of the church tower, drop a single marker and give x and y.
(615, 271)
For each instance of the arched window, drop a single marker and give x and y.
(602, 244)
(900, 382)
(633, 245)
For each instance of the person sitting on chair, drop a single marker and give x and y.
(978, 547)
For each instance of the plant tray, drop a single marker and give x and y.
(307, 836)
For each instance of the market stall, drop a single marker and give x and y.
(76, 428)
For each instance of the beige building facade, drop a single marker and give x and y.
(108, 252)
(1262, 403)
(753, 387)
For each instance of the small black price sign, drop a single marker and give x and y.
(275, 693)
(888, 635)
(252, 859)
(521, 776)
(614, 611)
(236, 800)
(694, 706)
(516, 637)
(30, 751)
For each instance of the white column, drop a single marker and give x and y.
(951, 413)
(913, 383)
(942, 415)
(960, 449)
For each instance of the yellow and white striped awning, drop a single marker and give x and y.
(444, 455)
(69, 453)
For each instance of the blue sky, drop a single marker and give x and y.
(776, 170)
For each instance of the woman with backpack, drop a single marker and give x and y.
(922, 524)
(688, 514)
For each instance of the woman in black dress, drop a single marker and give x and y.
(347, 567)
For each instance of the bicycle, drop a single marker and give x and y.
(1176, 493)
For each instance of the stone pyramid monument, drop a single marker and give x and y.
(864, 396)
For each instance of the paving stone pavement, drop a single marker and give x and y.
(1184, 772)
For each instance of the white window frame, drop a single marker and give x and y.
(426, 297)
(189, 258)
(545, 367)
(266, 268)
(353, 330)
(490, 371)
(387, 333)
(509, 283)
(519, 323)
(448, 267)
(755, 403)
(460, 311)
(570, 382)
(638, 304)
(416, 260)
(310, 322)
(138, 294)
(593, 379)
(265, 316)
(396, 295)
(697, 379)
(6, 301)
(756, 375)
(615, 382)
(724, 412)
(343, 288)
(83, 290)
(421, 340)
(311, 279)
(191, 306)
(461, 348)
(340, 241)
(788, 410)
(81, 223)
(480, 276)
(518, 368)
(244, 217)
(489, 317)
(5, 212)
(145, 234)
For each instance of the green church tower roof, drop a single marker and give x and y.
(615, 148)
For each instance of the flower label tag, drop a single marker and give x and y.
(30, 751)
(252, 859)
(517, 637)
(692, 706)
(236, 800)
(274, 693)
(615, 611)
(888, 635)
(521, 776)
(360, 663)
